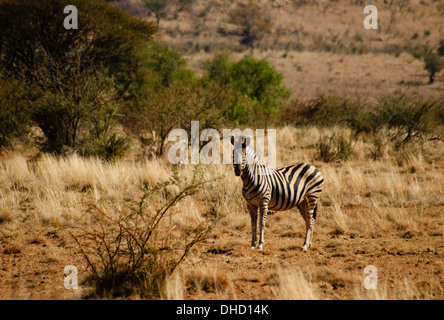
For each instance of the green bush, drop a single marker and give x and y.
(256, 85)
(261, 83)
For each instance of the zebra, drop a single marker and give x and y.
(276, 189)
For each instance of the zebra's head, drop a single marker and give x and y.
(239, 153)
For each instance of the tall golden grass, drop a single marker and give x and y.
(371, 198)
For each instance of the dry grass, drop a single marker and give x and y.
(55, 189)
(371, 212)
(294, 286)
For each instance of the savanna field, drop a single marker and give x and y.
(371, 213)
(102, 195)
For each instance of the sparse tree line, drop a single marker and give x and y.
(397, 123)
(77, 87)
(89, 90)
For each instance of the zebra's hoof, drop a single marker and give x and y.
(304, 248)
(253, 247)
(260, 247)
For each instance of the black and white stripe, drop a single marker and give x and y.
(281, 189)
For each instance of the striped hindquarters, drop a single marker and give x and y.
(291, 185)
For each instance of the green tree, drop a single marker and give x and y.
(225, 96)
(164, 94)
(171, 95)
(76, 77)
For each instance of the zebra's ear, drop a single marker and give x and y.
(245, 142)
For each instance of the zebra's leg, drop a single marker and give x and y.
(302, 207)
(263, 217)
(309, 222)
(253, 215)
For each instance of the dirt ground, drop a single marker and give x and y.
(409, 264)
(35, 269)
(334, 265)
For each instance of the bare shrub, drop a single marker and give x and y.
(132, 248)
(335, 148)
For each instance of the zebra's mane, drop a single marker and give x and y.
(254, 159)
(252, 156)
